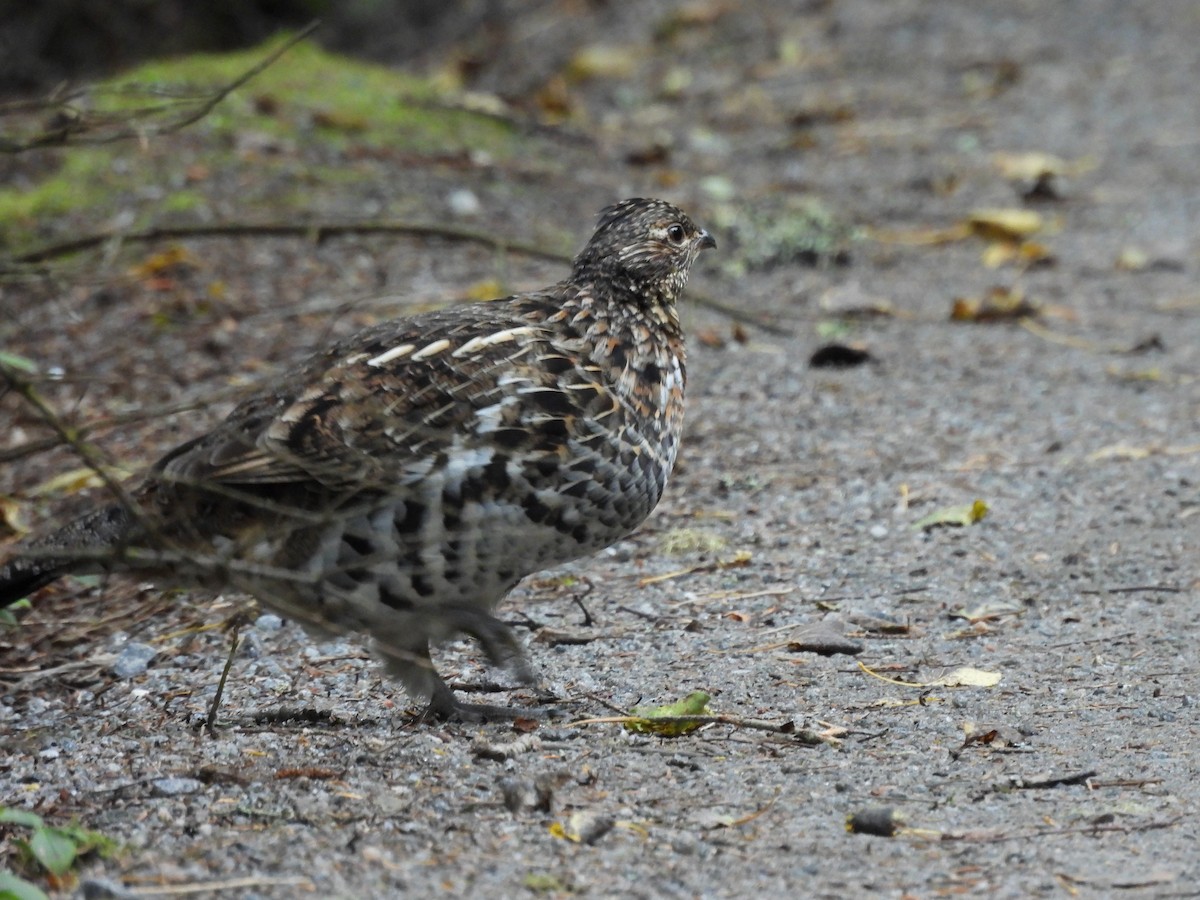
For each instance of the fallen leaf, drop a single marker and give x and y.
(583, 827)
(1000, 304)
(172, 260)
(554, 99)
(12, 516)
(980, 737)
(999, 735)
(956, 516)
(694, 704)
(1024, 253)
(602, 61)
(1004, 224)
(71, 482)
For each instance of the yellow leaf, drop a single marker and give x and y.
(998, 305)
(998, 253)
(12, 516)
(958, 516)
(168, 260)
(1004, 224)
(602, 61)
(71, 482)
(1033, 252)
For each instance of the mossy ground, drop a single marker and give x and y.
(346, 113)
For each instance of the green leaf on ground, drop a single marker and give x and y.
(646, 721)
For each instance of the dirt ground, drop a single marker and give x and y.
(790, 522)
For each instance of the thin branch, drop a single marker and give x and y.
(1039, 833)
(318, 232)
(787, 727)
(69, 126)
(110, 421)
(67, 435)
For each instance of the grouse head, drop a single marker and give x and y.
(643, 247)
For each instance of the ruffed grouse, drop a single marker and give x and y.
(399, 483)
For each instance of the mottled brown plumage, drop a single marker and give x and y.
(400, 483)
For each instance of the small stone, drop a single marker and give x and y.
(463, 202)
(134, 660)
(268, 622)
(879, 531)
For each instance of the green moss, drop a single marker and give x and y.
(281, 138)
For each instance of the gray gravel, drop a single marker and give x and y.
(1075, 775)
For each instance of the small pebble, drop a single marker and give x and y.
(463, 202)
(134, 660)
(268, 622)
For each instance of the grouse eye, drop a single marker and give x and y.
(675, 234)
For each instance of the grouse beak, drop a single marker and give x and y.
(706, 241)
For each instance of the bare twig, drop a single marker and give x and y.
(1039, 833)
(320, 231)
(70, 126)
(315, 231)
(210, 723)
(787, 727)
(217, 887)
(66, 434)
